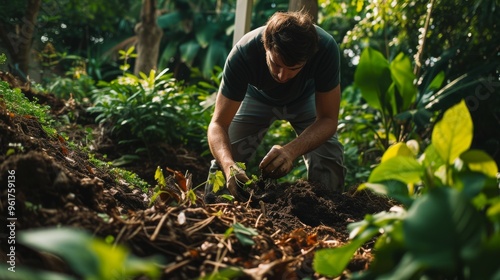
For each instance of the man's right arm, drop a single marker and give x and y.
(218, 136)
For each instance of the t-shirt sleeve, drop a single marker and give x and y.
(235, 76)
(327, 74)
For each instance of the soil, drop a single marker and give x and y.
(57, 185)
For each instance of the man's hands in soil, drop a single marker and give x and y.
(237, 184)
(277, 163)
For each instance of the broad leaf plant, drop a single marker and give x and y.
(448, 223)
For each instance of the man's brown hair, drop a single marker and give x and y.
(291, 35)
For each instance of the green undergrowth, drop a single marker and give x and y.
(123, 176)
(17, 103)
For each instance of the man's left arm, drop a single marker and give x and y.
(279, 161)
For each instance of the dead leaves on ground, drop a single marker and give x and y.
(202, 240)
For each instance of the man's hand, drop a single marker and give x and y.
(237, 184)
(277, 163)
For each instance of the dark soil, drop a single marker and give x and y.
(58, 186)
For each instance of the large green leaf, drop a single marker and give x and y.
(393, 189)
(401, 168)
(189, 50)
(205, 35)
(403, 77)
(169, 20)
(442, 229)
(453, 134)
(23, 273)
(373, 78)
(216, 55)
(89, 257)
(480, 161)
(333, 261)
(459, 88)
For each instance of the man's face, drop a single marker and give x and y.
(279, 71)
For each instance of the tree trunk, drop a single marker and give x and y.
(18, 39)
(148, 39)
(310, 6)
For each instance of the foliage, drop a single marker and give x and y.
(88, 257)
(196, 38)
(358, 125)
(17, 103)
(123, 176)
(76, 84)
(150, 109)
(174, 189)
(218, 181)
(242, 233)
(388, 88)
(449, 60)
(450, 224)
(403, 108)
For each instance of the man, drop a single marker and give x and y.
(285, 70)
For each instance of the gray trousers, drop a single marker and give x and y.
(252, 121)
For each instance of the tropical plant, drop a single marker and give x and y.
(151, 109)
(196, 34)
(389, 88)
(75, 84)
(448, 224)
(88, 257)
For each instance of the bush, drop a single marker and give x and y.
(147, 110)
(448, 226)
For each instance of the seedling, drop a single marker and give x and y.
(234, 171)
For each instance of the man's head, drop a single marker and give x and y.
(291, 36)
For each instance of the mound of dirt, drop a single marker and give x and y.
(58, 186)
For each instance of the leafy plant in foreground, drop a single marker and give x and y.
(90, 258)
(449, 224)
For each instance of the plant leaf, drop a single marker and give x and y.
(453, 134)
(189, 50)
(244, 234)
(402, 168)
(160, 179)
(333, 261)
(398, 149)
(89, 257)
(441, 228)
(373, 78)
(480, 161)
(403, 77)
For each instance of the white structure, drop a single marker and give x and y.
(242, 19)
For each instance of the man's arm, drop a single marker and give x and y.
(278, 162)
(218, 137)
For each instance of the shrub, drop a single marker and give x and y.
(448, 226)
(152, 109)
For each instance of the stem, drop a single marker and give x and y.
(418, 55)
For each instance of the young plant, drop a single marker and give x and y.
(218, 181)
(17, 103)
(174, 189)
(449, 222)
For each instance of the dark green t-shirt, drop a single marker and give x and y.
(246, 72)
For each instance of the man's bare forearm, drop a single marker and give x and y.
(312, 137)
(220, 146)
